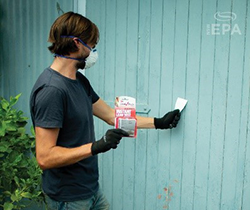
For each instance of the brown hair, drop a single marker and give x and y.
(71, 24)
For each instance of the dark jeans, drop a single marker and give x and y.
(96, 202)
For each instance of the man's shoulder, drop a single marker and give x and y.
(48, 82)
(51, 78)
(82, 78)
(44, 78)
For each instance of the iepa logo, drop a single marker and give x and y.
(224, 24)
(225, 16)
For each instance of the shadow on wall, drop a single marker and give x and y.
(1, 47)
(6, 45)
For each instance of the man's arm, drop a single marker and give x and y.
(104, 112)
(145, 122)
(107, 114)
(51, 156)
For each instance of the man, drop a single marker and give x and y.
(62, 105)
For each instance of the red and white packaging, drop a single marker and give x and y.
(125, 115)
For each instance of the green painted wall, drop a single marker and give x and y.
(156, 51)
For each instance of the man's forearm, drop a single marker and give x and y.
(145, 122)
(61, 156)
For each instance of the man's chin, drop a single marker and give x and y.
(80, 65)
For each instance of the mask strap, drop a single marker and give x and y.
(79, 40)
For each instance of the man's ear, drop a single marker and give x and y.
(77, 43)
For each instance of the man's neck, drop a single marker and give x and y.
(65, 67)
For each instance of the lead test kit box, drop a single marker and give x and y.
(125, 115)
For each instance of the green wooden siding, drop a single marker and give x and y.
(156, 51)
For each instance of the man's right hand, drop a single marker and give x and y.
(110, 140)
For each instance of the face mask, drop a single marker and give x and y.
(91, 59)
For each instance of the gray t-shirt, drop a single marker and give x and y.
(59, 102)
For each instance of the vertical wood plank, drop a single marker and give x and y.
(244, 119)
(164, 183)
(120, 66)
(142, 97)
(204, 107)
(97, 10)
(96, 73)
(153, 100)
(179, 85)
(131, 89)
(246, 127)
(109, 69)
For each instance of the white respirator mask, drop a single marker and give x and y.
(91, 59)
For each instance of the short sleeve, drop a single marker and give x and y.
(49, 108)
(95, 97)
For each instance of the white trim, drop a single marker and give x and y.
(80, 7)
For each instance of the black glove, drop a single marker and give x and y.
(110, 140)
(169, 120)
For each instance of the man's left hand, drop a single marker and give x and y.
(168, 121)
